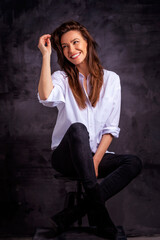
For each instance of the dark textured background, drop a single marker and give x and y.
(129, 44)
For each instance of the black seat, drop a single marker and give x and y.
(73, 197)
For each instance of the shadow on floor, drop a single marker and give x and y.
(81, 233)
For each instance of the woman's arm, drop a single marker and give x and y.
(111, 128)
(102, 148)
(45, 85)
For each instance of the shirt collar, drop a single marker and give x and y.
(81, 76)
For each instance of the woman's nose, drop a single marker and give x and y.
(71, 49)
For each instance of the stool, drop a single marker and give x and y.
(76, 196)
(72, 197)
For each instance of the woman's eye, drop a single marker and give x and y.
(75, 42)
(64, 46)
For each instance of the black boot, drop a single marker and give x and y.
(98, 215)
(64, 219)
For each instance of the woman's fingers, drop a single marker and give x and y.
(45, 37)
(44, 44)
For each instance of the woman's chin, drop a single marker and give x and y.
(78, 63)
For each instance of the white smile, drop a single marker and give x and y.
(76, 55)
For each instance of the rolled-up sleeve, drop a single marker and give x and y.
(111, 125)
(57, 94)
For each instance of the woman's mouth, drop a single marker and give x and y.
(75, 55)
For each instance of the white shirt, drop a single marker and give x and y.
(99, 120)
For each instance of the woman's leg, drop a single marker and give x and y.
(117, 172)
(73, 156)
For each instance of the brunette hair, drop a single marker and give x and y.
(94, 66)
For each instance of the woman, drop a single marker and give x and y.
(88, 99)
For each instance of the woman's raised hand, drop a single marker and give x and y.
(44, 44)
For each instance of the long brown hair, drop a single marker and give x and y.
(94, 66)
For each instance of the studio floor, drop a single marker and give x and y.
(133, 238)
(137, 238)
(76, 233)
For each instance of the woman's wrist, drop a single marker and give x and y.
(46, 56)
(97, 159)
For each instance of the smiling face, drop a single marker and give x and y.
(74, 47)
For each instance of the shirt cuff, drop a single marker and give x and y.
(114, 131)
(55, 97)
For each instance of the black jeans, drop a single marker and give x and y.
(74, 159)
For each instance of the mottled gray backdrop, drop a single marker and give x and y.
(128, 34)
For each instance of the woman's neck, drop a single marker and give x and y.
(83, 68)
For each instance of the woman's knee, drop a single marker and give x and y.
(78, 130)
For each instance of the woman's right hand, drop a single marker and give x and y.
(44, 44)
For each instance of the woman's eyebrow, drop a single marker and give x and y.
(70, 41)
